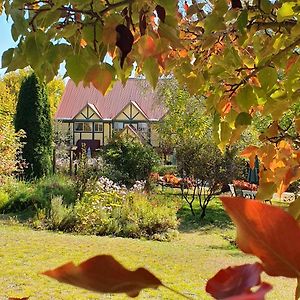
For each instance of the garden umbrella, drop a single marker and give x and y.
(253, 173)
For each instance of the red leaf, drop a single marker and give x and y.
(124, 41)
(12, 298)
(258, 295)
(186, 6)
(104, 274)
(234, 280)
(267, 232)
(236, 4)
(161, 13)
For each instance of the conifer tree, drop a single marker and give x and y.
(33, 116)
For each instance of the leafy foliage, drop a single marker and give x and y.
(130, 160)
(203, 162)
(241, 57)
(129, 215)
(33, 116)
(186, 119)
(38, 194)
(10, 141)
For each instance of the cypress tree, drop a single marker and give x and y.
(33, 116)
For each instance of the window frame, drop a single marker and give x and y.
(83, 127)
(101, 127)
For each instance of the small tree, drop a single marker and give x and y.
(10, 145)
(33, 116)
(130, 160)
(209, 168)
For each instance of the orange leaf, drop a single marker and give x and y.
(291, 61)
(100, 76)
(250, 153)
(267, 232)
(146, 46)
(83, 43)
(12, 298)
(103, 274)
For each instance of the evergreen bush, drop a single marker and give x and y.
(33, 116)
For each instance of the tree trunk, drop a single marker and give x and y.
(203, 211)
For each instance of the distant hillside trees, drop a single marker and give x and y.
(33, 116)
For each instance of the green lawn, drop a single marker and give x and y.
(183, 264)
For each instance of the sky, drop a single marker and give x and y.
(6, 40)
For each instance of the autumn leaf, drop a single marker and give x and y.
(13, 298)
(125, 41)
(161, 13)
(142, 22)
(235, 281)
(250, 153)
(186, 6)
(236, 4)
(291, 61)
(267, 232)
(100, 76)
(294, 209)
(146, 46)
(257, 295)
(83, 43)
(103, 274)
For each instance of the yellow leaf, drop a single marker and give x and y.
(294, 209)
(266, 190)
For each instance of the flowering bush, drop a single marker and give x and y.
(244, 185)
(128, 214)
(111, 209)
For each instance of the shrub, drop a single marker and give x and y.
(131, 215)
(33, 116)
(94, 212)
(20, 197)
(38, 194)
(141, 217)
(129, 160)
(57, 185)
(4, 197)
(60, 216)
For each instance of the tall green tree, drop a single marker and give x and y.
(33, 116)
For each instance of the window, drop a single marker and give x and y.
(118, 126)
(83, 127)
(143, 127)
(134, 125)
(98, 127)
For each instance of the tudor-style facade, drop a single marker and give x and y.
(93, 119)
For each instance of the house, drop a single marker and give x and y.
(91, 118)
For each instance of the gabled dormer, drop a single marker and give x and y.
(131, 112)
(88, 112)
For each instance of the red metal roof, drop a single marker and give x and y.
(75, 98)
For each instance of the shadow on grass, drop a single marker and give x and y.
(19, 217)
(215, 217)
